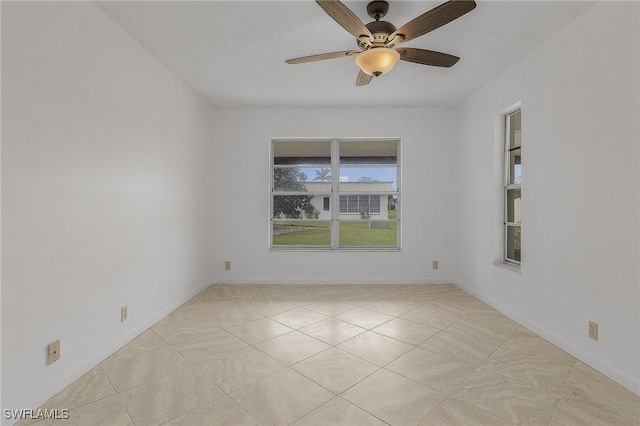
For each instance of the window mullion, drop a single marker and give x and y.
(335, 178)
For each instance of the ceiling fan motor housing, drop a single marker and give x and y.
(380, 30)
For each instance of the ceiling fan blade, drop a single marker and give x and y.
(322, 57)
(427, 57)
(431, 20)
(363, 78)
(345, 17)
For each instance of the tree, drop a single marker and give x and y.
(290, 179)
(323, 175)
(367, 179)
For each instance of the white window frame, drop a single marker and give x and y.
(335, 196)
(509, 186)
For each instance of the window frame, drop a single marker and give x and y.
(509, 186)
(334, 197)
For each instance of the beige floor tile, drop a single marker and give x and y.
(212, 346)
(240, 368)
(298, 318)
(339, 412)
(364, 318)
(375, 347)
(462, 301)
(332, 331)
(436, 371)
(535, 367)
(145, 342)
(331, 308)
(125, 373)
(90, 387)
(259, 330)
(459, 413)
(106, 411)
(514, 401)
(186, 331)
(492, 317)
(579, 413)
(588, 386)
(427, 317)
(391, 307)
(221, 412)
(520, 375)
(335, 369)
(270, 307)
(281, 398)
(292, 347)
(528, 344)
(164, 399)
(233, 317)
(466, 349)
(195, 312)
(406, 331)
(492, 334)
(394, 398)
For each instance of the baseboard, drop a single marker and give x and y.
(597, 364)
(395, 281)
(53, 388)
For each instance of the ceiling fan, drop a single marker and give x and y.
(377, 38)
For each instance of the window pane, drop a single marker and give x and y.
(299, 207)
(302, 152)
(368, 206)
(370, 233)
(514, 206)
(364, 179)
(515, 151)
(301, 233)
(368, 166)
(513, 243)
(302, 166)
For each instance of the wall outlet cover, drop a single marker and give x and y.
(593, 330)
(53, 352)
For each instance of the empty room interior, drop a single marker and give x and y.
(320, 213)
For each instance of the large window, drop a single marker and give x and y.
(359, 176)
(512, 188)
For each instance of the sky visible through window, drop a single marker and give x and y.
(355, 174)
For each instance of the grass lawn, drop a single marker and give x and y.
(352, 234)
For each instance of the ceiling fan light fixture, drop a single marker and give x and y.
(377, 60)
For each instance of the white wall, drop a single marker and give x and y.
(580, 235)
(242, 176)
(105, 183)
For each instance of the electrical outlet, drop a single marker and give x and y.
(435, 264)
(227, 265)
(593, 330)
(53, 352)
(124, 313)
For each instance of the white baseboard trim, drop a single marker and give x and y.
(633, 384)
(395, 281)
(56, 386)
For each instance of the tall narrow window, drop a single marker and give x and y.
(358, 176)
(512, 188)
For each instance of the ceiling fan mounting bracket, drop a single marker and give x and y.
(377, 9)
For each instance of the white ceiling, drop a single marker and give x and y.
(233, 52)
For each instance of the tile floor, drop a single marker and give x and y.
(342, 355)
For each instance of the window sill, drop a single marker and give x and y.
(507, 265)
(329, 249)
